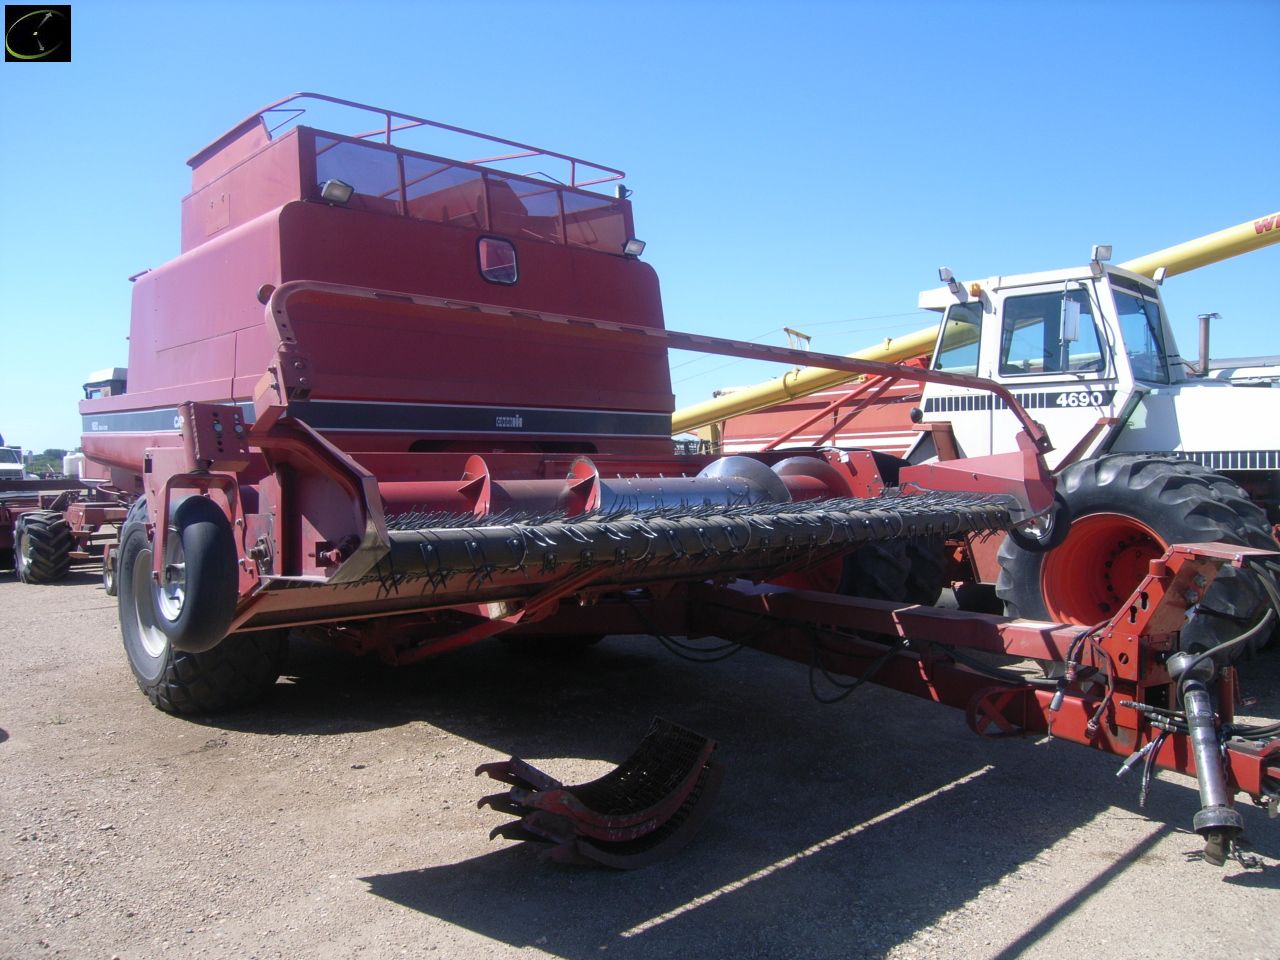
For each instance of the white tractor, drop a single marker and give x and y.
(1150, 449)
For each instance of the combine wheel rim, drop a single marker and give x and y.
(1084, 579)
(153, 639)
(171, 592)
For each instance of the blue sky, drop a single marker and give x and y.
(807, 165)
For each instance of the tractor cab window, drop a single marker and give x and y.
(957, 350)
(1040, 335)
(1142, 333)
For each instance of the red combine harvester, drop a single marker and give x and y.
(409, 403)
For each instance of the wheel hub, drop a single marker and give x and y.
(172, 591)
(1097, 567)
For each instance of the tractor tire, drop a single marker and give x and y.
(904, 571)
(234, 672)
(41, 547)
(877, 570)
(1126, 510)
(927, 570)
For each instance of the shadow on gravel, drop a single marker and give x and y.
(76, 578)
(840, 831)
(4, 734)
(514, 701)
(1266, 878)
(826, 884)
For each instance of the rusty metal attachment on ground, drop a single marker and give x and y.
(647, 808)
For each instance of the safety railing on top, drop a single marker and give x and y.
(581, 173)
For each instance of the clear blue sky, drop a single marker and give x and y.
(803, 164)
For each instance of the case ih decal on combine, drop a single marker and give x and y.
(422, 402)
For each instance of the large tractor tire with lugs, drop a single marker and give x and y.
(904, 571)
(927, 570)
(168, 628)
(877, 570)
(1126, 510)
(41, 547)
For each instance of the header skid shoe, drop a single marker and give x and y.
(647, 808)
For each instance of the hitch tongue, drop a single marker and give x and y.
(1217, 822)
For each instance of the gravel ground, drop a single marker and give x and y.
(338, 819)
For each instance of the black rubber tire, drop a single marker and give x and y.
(42, 547)
(904, 571)
(927, 570)
(211, 587)
(109, 574)
(238, 671)
(877, 570)
(1182, 502)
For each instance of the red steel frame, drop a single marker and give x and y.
(1129, 651)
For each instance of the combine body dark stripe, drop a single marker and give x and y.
(449, 418)
(339, 416)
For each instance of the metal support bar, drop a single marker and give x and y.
(542, 324)
(880, 389)
(836, 404)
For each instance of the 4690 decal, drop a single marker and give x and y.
(1083, 398)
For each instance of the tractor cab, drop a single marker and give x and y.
(1077, 347)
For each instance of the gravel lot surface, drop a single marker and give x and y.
(338, 819)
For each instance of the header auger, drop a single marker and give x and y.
(406, 403)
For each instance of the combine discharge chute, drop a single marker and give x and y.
(406, 403)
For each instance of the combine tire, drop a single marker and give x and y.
(1126, 510)
(42, 547)
(927, 570)
(904, 571)
(228, 672)
(877, 570)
